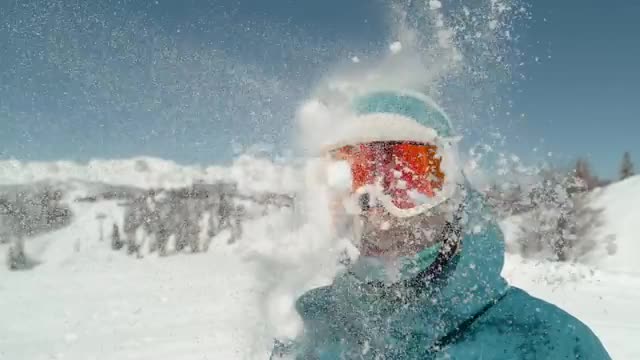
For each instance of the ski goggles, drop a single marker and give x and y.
(407, 178)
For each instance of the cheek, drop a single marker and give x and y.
(343, 224)
(374, 234)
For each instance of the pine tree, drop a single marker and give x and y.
(626, 170)
(16, 258)
(116, 243)
(560, 224)
(584, 173)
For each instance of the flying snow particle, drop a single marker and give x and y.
(355, 59)
(435, 4)
(70, 338)
(396, 47)
(339, 175)
(444, 38)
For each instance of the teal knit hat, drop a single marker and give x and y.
(415, 106)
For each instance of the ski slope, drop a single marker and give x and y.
(85, 301)
(622, 215)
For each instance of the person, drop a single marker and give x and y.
(427, 282)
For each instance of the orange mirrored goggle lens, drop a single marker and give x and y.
(402, 168)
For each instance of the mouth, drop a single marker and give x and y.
(382, 236)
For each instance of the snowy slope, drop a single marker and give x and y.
(85, 301)
(620, 235)
(607, 302)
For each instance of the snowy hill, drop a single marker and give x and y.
(621, 204)
(252, 174)
(85, 301)
(610, 226)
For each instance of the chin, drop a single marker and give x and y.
(398, 241)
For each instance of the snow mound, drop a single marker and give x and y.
(619, 238)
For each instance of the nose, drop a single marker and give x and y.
(370, 206)
(375, 214)
(364, 201)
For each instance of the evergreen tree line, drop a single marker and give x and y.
(592, 181)
(167, 221)
(187, 219)
(556, 220)
(26, 212)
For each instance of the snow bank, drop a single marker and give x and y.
(85, 301)
(619, 237)
(606, 302)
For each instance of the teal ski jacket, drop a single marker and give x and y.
(469, 312)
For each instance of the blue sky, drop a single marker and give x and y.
(583, 99)
(187, 81)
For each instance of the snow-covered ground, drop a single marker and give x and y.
(85, 301)
(607, 302)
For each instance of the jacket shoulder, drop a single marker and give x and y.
(536, 329)
(317, 308)
(321, 333)
(315, 303)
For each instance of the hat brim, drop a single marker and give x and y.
(378, 127)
